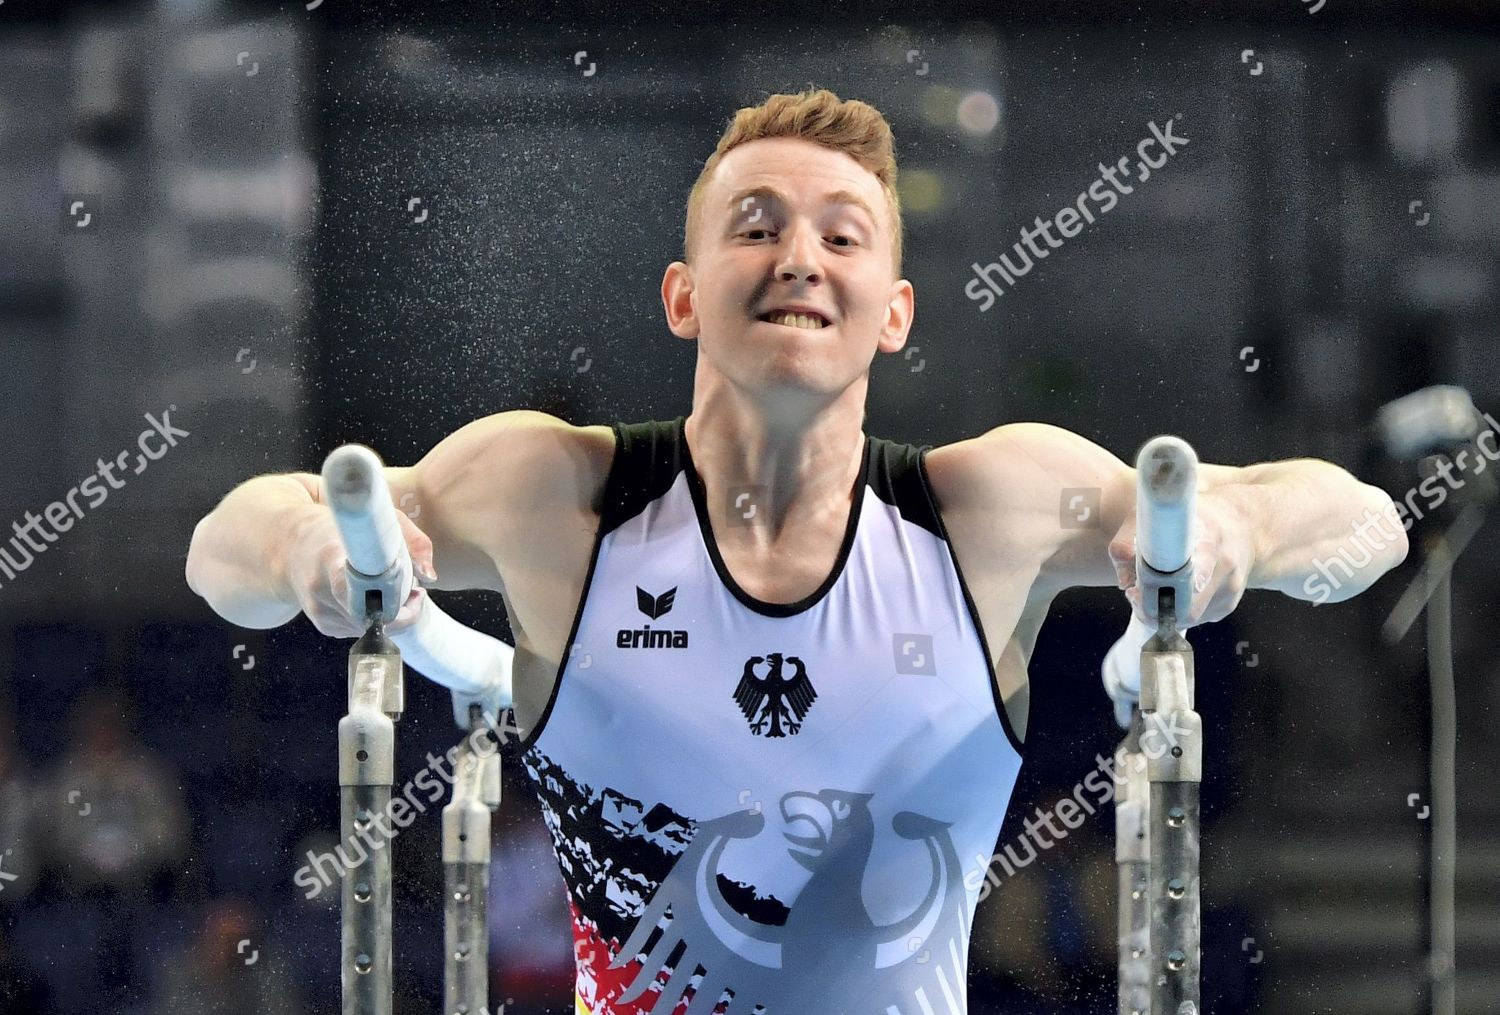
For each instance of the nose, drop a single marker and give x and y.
(798, 261)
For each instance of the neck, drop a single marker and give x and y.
(800, 460)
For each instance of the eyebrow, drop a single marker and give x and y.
(835, 197)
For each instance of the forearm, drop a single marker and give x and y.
(1318, 533)
(237, 560)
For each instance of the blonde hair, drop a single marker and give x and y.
(845, 125)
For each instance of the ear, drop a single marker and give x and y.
(677, 300)
(898, 316)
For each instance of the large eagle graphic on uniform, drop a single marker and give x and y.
(774, 704)
(829, 955)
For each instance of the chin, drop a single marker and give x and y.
(794, 381)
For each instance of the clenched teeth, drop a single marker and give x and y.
(795, 320)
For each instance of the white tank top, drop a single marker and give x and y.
(778, 808)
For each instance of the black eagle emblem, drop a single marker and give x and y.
(775, 704)
(654, 606)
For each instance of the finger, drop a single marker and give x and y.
(333, 622)
(1122, 550)
(333, 616)
(419, 545)
(409, 612)
(1122, 557)
(1225, 601)
(1199, 607)
(1204, 588)
(332, 603)
(338, 582)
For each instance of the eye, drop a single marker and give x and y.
(848, 240)
(751, 234)
(840, 809)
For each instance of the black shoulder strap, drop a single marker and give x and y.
(898, 478)
(648, 457)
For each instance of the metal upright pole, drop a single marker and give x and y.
(477, 669)
(1443, 946)
(1173, 744)
(1133, 858)
(366, 774)
(1156, 811)
(466, 874)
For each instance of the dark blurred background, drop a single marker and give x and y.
(292, 228)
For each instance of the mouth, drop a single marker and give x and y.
(808, 320)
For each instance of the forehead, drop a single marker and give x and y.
(802, 170)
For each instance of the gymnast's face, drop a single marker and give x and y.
(785, 223)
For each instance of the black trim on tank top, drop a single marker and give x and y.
(700, 507)
(920, 455)
(896, 480)
(648, 457)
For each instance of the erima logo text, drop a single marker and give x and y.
(644, 637)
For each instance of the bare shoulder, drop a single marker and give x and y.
(547, 462)
(519, 460)
(1034, 497)
(1050, 495)
(496, 482)
(549, 482)
(986, 490)
(1011, 474)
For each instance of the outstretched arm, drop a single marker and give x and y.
(1318, 533)
(1288, 525)
(452, 504)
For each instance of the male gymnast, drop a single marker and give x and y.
(770, 672)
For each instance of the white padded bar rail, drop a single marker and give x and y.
(1166, 498)
(472, 664)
